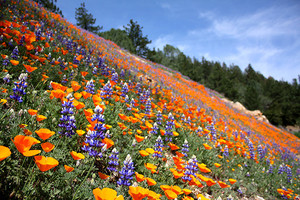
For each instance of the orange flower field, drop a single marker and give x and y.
(82, 118)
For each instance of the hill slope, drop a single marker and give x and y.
(79, 113)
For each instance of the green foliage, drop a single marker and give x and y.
(85, 20)
(119, 37)
(50, 5)
(140, 42)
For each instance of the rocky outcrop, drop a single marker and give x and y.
(257, 114)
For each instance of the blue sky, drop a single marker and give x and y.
(264, 33)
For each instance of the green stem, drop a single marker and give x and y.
(7, 111)
(92, 165)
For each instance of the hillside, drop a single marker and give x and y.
(83, 118)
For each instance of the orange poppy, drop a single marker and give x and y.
(44, 133)
(103, 176)
(32, 112)
(68, 168)
(40, 118)
(14, 62)
(186, 191)
(217, 165)
(24, 143)
(151, 167)
(45, 163)
(143, 153)
(170, 194)
(106, 194)
(29, 68)
(77, 156)
(223, 185)
(109, 143)
(4, 152)
(138, 193)
(207, 147)
(59, 94)
(139, 177)
(47, 146)
(77, 95)
(139, 138)
(173, 146)
(80, 132)
(75, 85)
(150, 181)
(232, 181)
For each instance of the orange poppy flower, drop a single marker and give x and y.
(210, 182)
(223, 185)
(32, 112)
(139, 177)
(84, 73)
(44, 133)
(232, 181)
(207, 147)
(217, 165)
(45, 163)
(150, 181)
(152, 195)
(109, 143)
(151, 167)
(186, 191)
(77, 95)
(138, 193)
(4, 152)
(27, 131)
(143, 153)
(75, 85)
(170, 194)
(40, 118)
(68, 168)
(14, 62)
(86, 94)
(139, 138)
(103, 176)
(106, 194)
(150, 150)
(80, 132)
(78, 105)
(59, 94)
(29, 68)
(77, 156)
(47, 146)
(203, 168)
(173, 146)
(24, 143)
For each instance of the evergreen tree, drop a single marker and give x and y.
(85, 20)
(50, 5)
(140, 42)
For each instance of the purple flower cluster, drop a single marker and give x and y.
(90, 87)
(169, 127)
(158, 148)
(19, 88)
(185, 148)
(67, 120)
(127, 172)
(113, 162)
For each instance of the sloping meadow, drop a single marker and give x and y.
(83, 119)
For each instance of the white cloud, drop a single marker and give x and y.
(161, 41)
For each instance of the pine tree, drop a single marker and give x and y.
(85, 20)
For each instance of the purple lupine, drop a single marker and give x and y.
(67, 120)
(90, 87)
(251, 150)
(281, 169)
(190, 169)
(6, 78)
(106, 91)
(124, 90)
(185, 148)
(148, 106)
(158, 148)
(289, 174)
(19, 89)
(169, 127)
(115, 77)
(226, 151)
(127, 172)
(260, 152)
(113, 162)
(270, 171)
(154, 129)
(15, 53)
(158, 117)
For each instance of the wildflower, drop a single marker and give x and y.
(207, 147)
(113, 162)
(106, 194)
(124, 90)
(158, 147)
(138, 193)
(32, 112)
(185, 148)
(154, 129)
(4, 152)
(14, 62)
(139, 177)
(47, 146)
(19, 88)
(24, 143)
(45, 163)
(158, 117)
(150, 181)
(232, 181)
(67, 120)
(148, 106)
(68, 168)
(127, 172)
(226, 151)
(77, 156)
(40, 118)
(90, 87)
(6, 78)
(139, 138)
